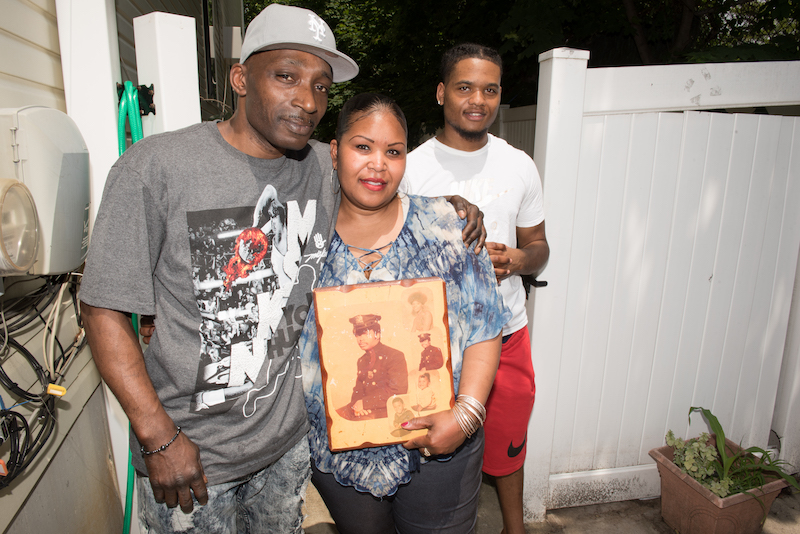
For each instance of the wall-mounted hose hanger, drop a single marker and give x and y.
(134, 103)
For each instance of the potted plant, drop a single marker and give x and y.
(710, 485)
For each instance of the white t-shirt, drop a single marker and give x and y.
(501, 180)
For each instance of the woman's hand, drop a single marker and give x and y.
(444, 435)
(477, 374)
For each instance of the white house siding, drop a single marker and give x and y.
(31, 75)
(30, 62)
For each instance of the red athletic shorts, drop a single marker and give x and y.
(509, 407)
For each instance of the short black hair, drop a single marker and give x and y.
(466, 51)
(364, 104)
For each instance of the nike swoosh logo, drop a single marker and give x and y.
(514, 451)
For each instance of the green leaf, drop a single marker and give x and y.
(716, 429)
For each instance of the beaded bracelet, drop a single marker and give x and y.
(161, 448)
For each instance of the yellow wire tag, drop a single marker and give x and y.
(56, 391)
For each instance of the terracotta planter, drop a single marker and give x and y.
(690, 508)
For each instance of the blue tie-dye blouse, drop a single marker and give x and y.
(428, 245)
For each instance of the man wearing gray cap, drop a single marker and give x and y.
(225, 226)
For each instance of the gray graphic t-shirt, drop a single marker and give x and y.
(224, 249)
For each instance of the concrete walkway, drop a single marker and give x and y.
(628, 517)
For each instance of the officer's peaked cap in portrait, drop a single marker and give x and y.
(365, 322)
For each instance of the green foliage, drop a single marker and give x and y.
(754, 30)
(398, 45)
(698, 459)
(720, 470)
(745, 52)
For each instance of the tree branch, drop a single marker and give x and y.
(684, 34)
(719, 9)
(639, 37)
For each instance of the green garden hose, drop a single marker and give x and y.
(129, 109)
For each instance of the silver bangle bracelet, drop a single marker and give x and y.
(461, 419)
(469, 413)
(474, 406)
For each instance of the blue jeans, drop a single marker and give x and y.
(267, 501)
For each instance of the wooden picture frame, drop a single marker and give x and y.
(373, 382)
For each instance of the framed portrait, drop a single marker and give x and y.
(384, 350)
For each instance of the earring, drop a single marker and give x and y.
(439, 102)
(335, 189)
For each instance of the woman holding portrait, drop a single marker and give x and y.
(430, 483)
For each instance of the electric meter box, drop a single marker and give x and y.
(43, 148)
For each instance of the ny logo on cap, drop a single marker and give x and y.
(316, 25)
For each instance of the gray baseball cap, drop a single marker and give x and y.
(280, 27)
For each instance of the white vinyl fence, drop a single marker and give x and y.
(674, 238)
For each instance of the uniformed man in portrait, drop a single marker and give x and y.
(382, 372)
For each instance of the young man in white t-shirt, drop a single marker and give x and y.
(465, 159)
